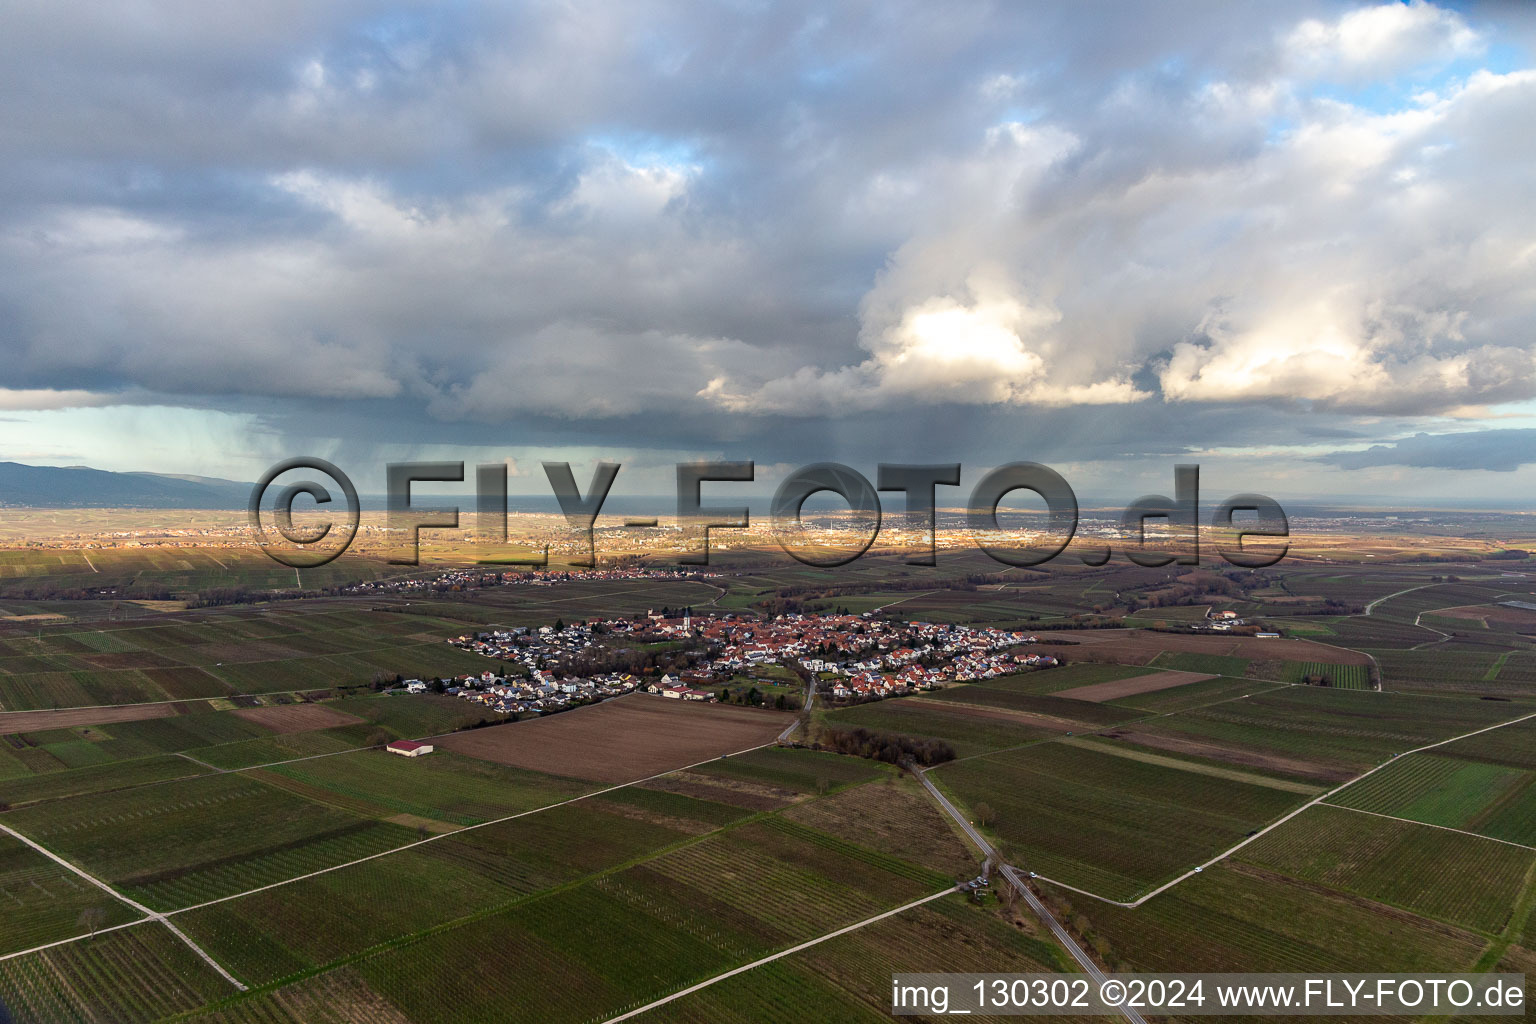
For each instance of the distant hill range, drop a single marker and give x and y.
(81, 487)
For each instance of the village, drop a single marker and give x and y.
(852, 657)
(471, 578)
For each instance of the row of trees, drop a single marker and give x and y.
(887, 747)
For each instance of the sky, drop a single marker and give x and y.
(1292, 243)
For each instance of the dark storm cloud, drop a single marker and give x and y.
(1092, 231)
(1499, 451)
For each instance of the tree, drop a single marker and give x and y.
(985, 815)
(92, 918)
(725, 695)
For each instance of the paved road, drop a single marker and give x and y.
(1012, 874)
(810, 695)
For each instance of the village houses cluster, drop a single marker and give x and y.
(473, 578)
(857, 656)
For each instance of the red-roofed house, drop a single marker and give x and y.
(409, 748)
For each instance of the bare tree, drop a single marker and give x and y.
(985, 815)
(92, 918)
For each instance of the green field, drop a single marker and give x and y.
(1240, 917)
(1512, 745)
(798, 771)
(969, 734)
(1345, 677)
(593, 950)
(156, 844)
(44, 902)
(1489, 799)
(1456, 878)
(849, 978)
(132, 976)
(1064, 677)
(99, 779)
(1339, 733)
(1214, 664)
(1000, 695)
(445, 787)
(1113, 825)
(216, 653)
(1193, 695)
(270, 934)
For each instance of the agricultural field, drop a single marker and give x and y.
(1345, 677)
(248, 799)
(338, 996)
(1071, 714)
(1513, 745)
(45, 902)
(1193, 695)
(1110, 824)
(896, 817)
(1476, 672)
(848, 978)
(443, 789)
(18, 792)
(1237, 916)
(60, 749)
(623, 739)
(1143, 647)
(1210, 664)
(969, 730)
(270, 934)
(1326, 733)
(799, 772)
(1460, 879)
(1490, 799)
(154, 842)
(132, 976)
(1067, 677)
(625, 938)
(216, 653)
(1113, 690)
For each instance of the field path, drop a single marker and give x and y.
(1430, 824)
(141, 908)
(1281, 821)
(779, 955)
(440, 835)
(1012, 874)
(810, 695)
(1369, 608)
(909, 597)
